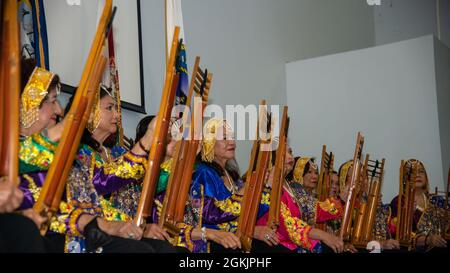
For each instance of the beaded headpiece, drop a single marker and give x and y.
(34, 93)
(209, 137)
(299, 168)
(95, 121)
(343, 174)
(409, 164)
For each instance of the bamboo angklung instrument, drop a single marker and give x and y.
(256, 174)
(76, 120)
(194, 144)
(172, 211)
(369, 196)
(157, 149)
(361, 196)
(324, 184)
(406, 208)
(345, 232)
(326, 169)
(376, 171)
(278, 176)
(9, 92)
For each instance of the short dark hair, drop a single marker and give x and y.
(142, 127)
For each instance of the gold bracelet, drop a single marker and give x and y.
(73, 225)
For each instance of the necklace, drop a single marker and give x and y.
(106, 153)
(424, 197)
(232, 188)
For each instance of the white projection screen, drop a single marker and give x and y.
(71, 29)
(387, 92)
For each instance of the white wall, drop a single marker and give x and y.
(442, 59)
(67, 33)
(246, 43)
(388, 93)
(398, 20)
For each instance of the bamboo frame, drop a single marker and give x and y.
(174, 203)
(255, 181)
(406, 208)
(326, 170)
(158, 143)
(345, 232)
(278, 177)
(196, 131)
(361, 191)
(367, 213)
(76, 120)
(9, 92)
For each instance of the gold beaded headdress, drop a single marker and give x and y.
(408, 166)
(95, 121)
(343, 174)
(299, 168)
(33, 95)
(209, 137)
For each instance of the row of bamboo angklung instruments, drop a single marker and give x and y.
(75, 121)
(366, 177)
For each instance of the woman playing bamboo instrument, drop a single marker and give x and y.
(426, 225)
(39, 112)
(126, 199)
(85, 213)
(294, 233)
(192, 236)
(334, 189)
(109, 172)
(216, 190)
(189, 238)
(380, 230)
(305, 177)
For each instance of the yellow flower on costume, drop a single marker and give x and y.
(122, 169)
(34, 155)
(111, 213)
(297, 229)
(265, 199)
(228, 226)
(229, 206)
(328, 206)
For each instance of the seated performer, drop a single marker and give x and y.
(294, 233)
(305, 177)
(142, 127)
(383, 214)
(425, 226)
(110, 172)
(39, 112)
(334, 189)
(81, 220)
(39, 108)
(216, 190)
